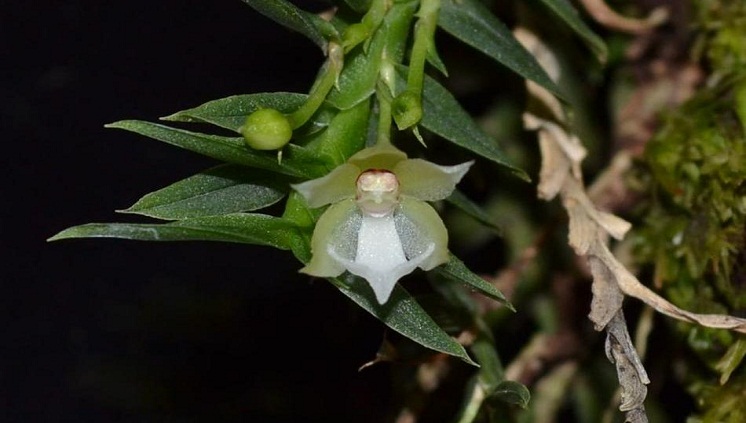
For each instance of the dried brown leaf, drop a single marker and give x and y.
(607, 297)
(631, 286)
(632, 375)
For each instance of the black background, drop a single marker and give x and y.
(111, 330)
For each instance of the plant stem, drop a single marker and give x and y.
(362, 31)
(383, 135)
(423, 40)
(321, 87)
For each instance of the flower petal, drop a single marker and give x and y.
(427, 181)
(335, 186)
(380, 256)
(378, 157)
(419, 227)
(337, 230)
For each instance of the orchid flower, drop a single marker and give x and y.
(379, 226)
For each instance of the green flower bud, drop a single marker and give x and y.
(267, 129)
(407, 109)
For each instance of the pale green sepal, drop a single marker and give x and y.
(427, 181)
(337, 228)
(335, 186)
(419, 225)
(378, 157)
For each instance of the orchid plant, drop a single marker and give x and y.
(358, 210)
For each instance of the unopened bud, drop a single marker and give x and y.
(267, 129)
(407, 109)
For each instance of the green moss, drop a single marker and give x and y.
(694, 229)
(722, 30)
(722, 404)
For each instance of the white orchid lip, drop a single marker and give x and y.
(380, 257)
(377, 192)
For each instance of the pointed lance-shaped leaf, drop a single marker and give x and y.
(221, 190)
(404, 315)
(246, 228)
(444, 116)
(472, 23)
(296, 161)
(565, 11)
(230, 112)
(474, 210)
(457, 271)
(288, 15)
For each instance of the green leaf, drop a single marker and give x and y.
(286, 14)
(344, 136)
(454, 269)
(231, 112)
(444, 116)
(512, 392)
(221, 190)
(296, 161)
(434, 59)
(341, 136)
(491, 371)
(298, 212)
(464, 203)
(455, 294)
(246, 228)
(565, 11)
(475, 25)
(404, 315)
(361, 70)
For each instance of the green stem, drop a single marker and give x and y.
(474, 403)
(374, 16)
(423, 40)
(359, 32)
(383, 136)
(407, 108)
(321, 88)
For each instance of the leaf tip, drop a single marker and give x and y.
(466, 359)
(521, 174)
(129, 210)
(63, 234)
(182, 116)
(174, 117)
(120, 124)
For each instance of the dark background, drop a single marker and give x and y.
(111, 330)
